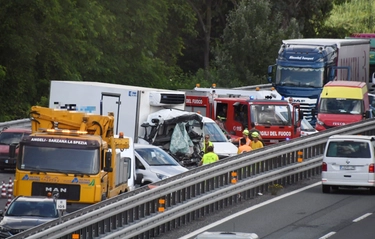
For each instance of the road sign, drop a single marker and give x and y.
(61, 204)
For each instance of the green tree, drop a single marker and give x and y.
(355, 16)
(250, 43)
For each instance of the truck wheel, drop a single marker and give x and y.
(326, 188)
(372, 190)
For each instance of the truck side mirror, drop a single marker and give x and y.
(138, 178)
(12, 150)
(368, 114)
(108, 162)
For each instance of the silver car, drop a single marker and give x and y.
(27, 212)
(155, 164)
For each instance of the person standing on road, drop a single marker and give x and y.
(256, 143)
(244, 147)
(209, 157)
(207, 143)
(245, 134)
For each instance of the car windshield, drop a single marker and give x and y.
(300, 77)
(305, 125)
(341, 106)
(156, 157)
(53, 159)
(32, 209)
(9, 138)
(214, 131)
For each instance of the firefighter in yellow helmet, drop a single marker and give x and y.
(245, 134)
(256, 143)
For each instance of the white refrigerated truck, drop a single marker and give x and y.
(131, 106)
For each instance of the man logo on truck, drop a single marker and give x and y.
(61, 190)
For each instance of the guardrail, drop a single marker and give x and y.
(150, 211)
(21, 123)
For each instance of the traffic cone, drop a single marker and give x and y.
(11, 182)
(10, 188)
(8, 202)
(3, 191)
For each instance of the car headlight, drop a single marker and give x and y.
(161, 176)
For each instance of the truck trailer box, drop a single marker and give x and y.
(130, 104)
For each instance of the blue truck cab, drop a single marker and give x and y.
(304, 66)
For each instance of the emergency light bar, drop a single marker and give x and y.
(64, 131)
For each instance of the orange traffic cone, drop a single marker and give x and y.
(3, 191)
(8, 202)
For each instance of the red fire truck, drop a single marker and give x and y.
(274, 117)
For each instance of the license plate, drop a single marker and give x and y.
(347, 167)
(275, 141)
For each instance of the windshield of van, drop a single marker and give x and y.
(300, 77)
(341, 106)
(216, 134)
(349, 149)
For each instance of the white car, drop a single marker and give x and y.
(306, 128)
(227, 235)
(155, 164)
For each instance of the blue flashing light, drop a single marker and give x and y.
(287, 139)
(252, 97)
(282, 98)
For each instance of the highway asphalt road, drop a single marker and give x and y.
(301, 211)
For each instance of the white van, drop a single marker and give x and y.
(222, 145)
(349, 161)
(227, 235)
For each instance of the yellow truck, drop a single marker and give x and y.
(75, 154)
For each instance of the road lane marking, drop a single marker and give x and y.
(203, 229)
(327, 235)
(362, 217)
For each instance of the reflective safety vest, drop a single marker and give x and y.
(204, 146)
(209, 157)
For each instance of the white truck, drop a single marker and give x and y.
(131, 106)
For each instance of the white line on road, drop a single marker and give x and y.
(327, 235)
(203, 229)
(362, 217)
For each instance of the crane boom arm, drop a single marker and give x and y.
(47, 118)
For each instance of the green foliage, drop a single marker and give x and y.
(250, 43)
(355, 16)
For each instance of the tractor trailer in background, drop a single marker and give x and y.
(371, 37)
(304, 66)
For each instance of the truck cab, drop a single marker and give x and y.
(341, 103)
(277, 120)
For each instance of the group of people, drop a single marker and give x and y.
(251, 140)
